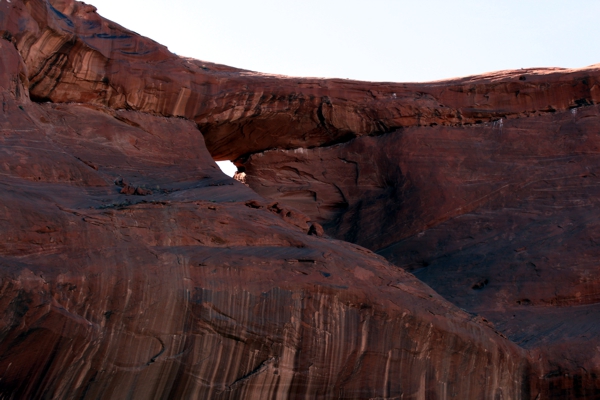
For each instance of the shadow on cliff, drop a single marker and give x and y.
(133, 268)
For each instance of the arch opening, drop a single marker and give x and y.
(227, 167)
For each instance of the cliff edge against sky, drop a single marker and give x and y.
(415, 241)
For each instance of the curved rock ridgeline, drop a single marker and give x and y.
(197, 288)
(499, 217)
(74, 55)
(132, 268)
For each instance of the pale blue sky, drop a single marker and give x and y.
(380, 40)
(377, 40)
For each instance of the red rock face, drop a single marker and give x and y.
(499, 218)
(131, 267)
(200, 288)
(74, 55)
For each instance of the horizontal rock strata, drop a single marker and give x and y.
(499, 218)
(133, 268)
(74, 55)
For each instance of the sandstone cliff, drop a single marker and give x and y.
(133, 268)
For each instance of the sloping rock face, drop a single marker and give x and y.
(132, 268)
(499, 218)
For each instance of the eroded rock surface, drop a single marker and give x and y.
(499, 218)
(74, 55)
(131, 267)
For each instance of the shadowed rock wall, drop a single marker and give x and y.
(499, 218)
(132, 268)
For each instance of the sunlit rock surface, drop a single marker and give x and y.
(200, 288)
(74, 55)
(131, 267)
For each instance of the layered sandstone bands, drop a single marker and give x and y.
(132, 268)
(199, 288)
(74, 55)
(499, 217)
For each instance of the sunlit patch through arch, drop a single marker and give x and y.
(227, 167)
